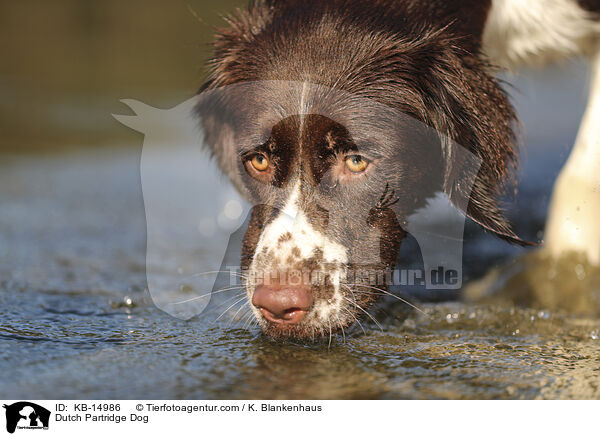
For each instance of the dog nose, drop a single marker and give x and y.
(283, 304)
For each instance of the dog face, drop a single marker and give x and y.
(323, 228)
(336, 143)
(333, 177)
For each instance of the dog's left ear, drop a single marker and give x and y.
(483, 122)
(483, 209)
(468, 107)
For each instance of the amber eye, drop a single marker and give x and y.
(356, 163)
(260, 162)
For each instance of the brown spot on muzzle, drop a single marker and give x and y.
(284, 238)
(258, 219)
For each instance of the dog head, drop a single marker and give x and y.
(338, 134)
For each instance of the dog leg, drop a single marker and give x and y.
(574, 215)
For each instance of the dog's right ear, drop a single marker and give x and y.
(220, 127)
(228, 71)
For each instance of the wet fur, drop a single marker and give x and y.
(428, 68)
(421, 57)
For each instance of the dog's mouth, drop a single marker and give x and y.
(289, 316)
(309, 328)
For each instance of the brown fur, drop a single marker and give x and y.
(420, 58)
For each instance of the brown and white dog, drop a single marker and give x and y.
(311, 164)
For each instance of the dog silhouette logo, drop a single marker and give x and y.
(26, 415)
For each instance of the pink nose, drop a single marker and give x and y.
(283, 304)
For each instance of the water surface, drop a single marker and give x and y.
(77, 321)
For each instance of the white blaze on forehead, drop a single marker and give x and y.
(291, 206)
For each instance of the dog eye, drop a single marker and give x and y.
(260, 162)
(356, 163)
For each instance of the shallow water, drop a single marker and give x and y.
(77, 321)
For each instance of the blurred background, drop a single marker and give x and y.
(66, 64)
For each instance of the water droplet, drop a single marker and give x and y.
(185, 288)
(233, 209)
(451, 317)
(580, 271)
(207, 227)
(543, 314)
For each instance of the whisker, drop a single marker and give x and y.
(251, 319)
(356, 320)
(217, 272)
(390, 294)
(349, 289)
(341, 325)
(225, 302)
(245, 320)
(238, 311)
(364, 311)
(226, 310)
(218, 291)
(228, 300)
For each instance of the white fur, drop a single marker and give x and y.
(306, 238)
(534, 32)
(574, 218)
(521, 32)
